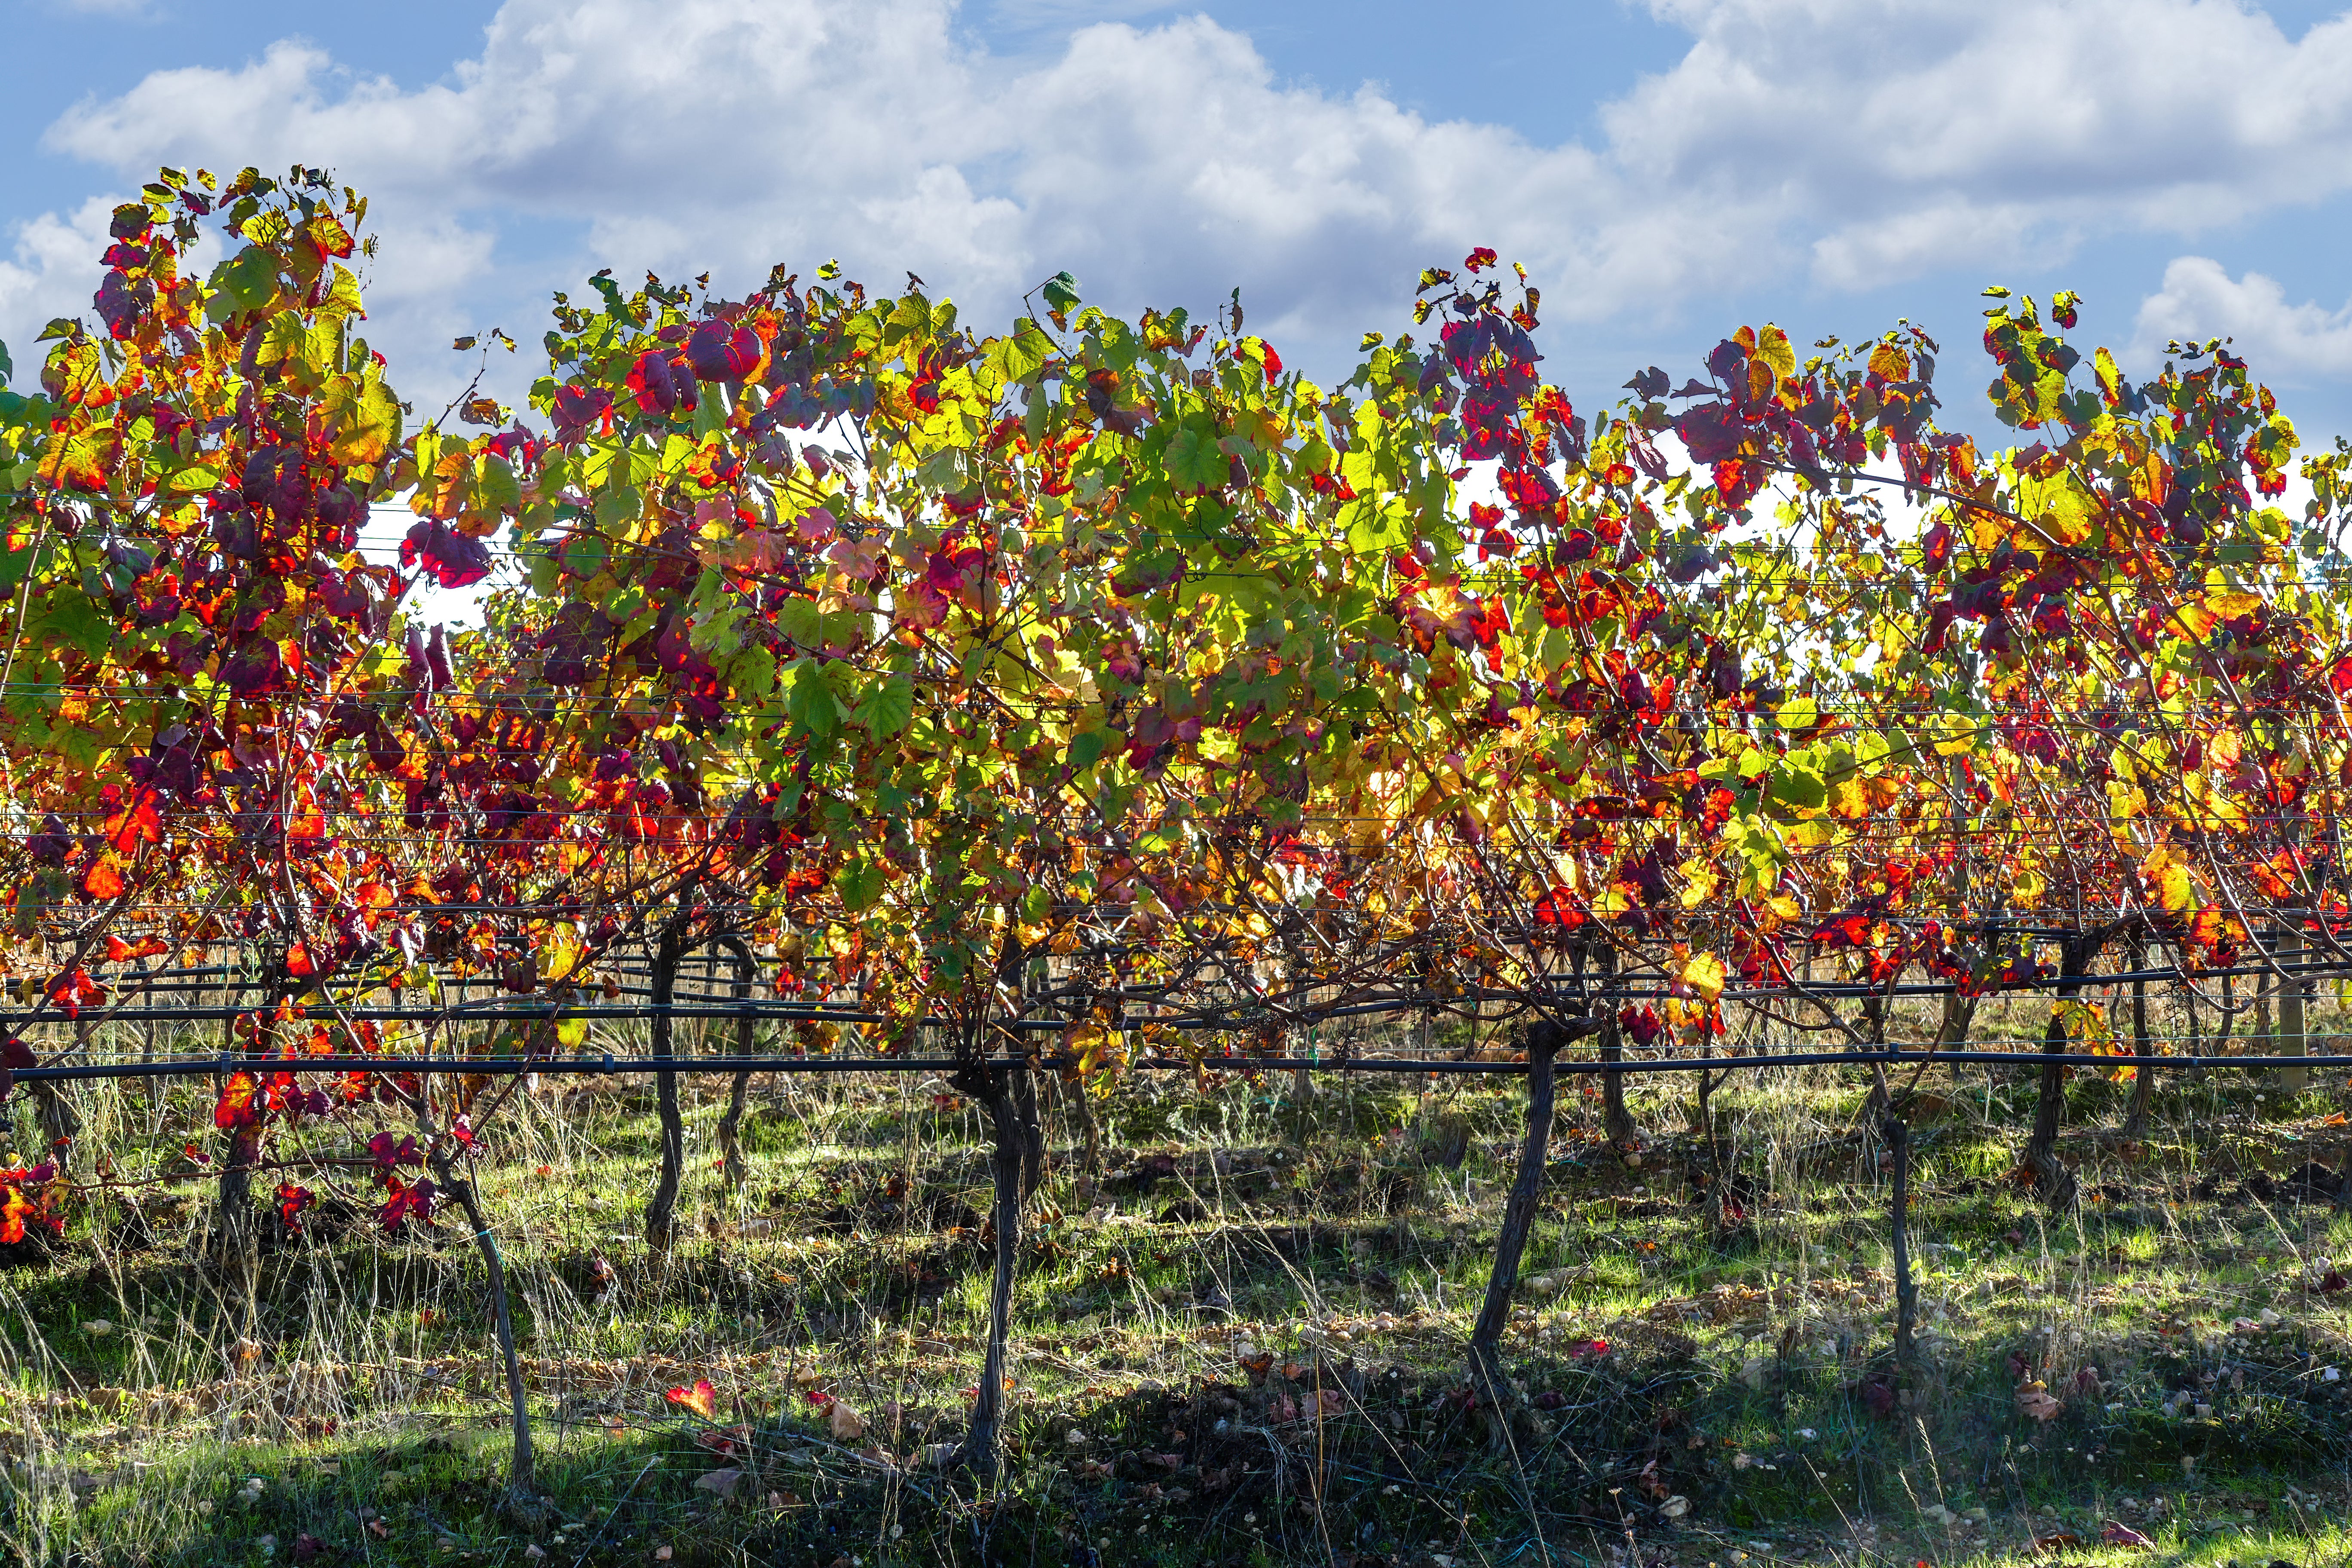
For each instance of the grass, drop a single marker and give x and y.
(1244, 1347)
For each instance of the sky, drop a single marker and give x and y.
(1667, 170)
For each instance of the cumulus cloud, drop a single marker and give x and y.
(2284, 342)
(53, 272)
(728, 134)
(1853, 141)
(1926, 134)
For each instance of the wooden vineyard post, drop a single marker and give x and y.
(1897, 1136)
(2287, 949)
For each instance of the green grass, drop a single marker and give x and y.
(1747, 1404)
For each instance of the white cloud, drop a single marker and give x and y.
(1162, 166)
(55, 269)
(2287, 342)
(1857, 142)
(1927, 133)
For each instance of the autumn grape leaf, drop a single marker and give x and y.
(560, 951)
(1020, 353)
(80, 460)
(2168, 878)
(1702, 973)
(702, 1399)
(361, 417)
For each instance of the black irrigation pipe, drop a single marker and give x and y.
(197, 1066)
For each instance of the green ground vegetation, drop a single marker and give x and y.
(1240, 1343)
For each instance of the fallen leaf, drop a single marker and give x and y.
(2033, 1399)
(846, 1424)
(2059, 1538)
(2125, 1535)
(719, 1484)
(702, 1399)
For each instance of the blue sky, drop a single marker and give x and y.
(1668, 170)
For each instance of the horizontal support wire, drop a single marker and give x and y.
(199, 1066)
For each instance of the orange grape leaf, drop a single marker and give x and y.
(702, 1399)
(135, 824)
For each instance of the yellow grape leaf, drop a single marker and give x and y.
(2071, 517)
(343, 297)
(1702, 973)
(2195, 620)
(2110, 379)
(2168, 879)
(359, 417)
(558, 951)
(80, 460)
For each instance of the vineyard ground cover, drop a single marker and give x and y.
(1252, 1325)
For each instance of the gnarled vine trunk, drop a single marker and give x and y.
(1615, 1119)
(1545, 1039)
(2051, 1180)
(2143, 1076)
(661, 1209)
(522, 1465)
(993, 1087)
